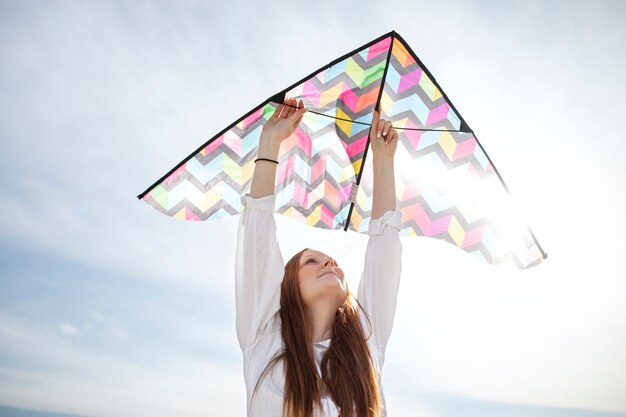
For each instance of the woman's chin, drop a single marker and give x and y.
(333, 280)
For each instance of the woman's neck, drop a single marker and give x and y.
(322, 322)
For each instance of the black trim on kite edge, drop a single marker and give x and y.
(367, 145)
(469, 130)
(464, 126)
(181, 163)
(277, 98)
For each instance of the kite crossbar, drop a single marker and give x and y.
(369, 124)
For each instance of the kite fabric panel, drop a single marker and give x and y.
(446, 185)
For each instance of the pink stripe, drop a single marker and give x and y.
(327, 216)
(413, 136)
(357, 146)
(473, 236)
(311, 93)
(189, 215)
(421, 219)
(438, 113)
(175, 174)
(345, 193)
(350, 99)
(317, 169)
(303, 141)
(428, 227)
(378, 48)
(213, 145)
(439, 226)
(233, 141)
(252, 118)
(410, 79)
(464, 148)
(285, 169)
(300, 195)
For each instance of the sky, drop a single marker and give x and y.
(108, 308)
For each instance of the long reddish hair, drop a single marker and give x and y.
(348, 373)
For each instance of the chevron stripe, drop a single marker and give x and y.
(401, 54)
(400, 82)
(377, 50)
(358, 103)
(451, 147)
(392, 107)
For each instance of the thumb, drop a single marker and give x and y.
(375, 119)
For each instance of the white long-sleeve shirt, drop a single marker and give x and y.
(258, 274)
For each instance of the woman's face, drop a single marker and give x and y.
(321, 279)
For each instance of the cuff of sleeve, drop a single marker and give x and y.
(391, 218)
(266, 203)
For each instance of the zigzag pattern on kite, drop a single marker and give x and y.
(446, 185)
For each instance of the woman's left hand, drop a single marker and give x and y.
(383, 137)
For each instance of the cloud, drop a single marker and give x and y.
(63, 376)
(68, 329)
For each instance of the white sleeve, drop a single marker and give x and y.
(259, 268)
(378, 288)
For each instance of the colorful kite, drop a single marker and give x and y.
(447, 186)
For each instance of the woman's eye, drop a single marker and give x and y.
(310, 260)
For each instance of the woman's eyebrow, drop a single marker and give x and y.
(307, 257)
(314, 256)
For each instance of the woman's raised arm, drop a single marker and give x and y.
(259, 263)
(378, 288)
(279, 127)
(383, 140)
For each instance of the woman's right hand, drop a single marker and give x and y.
(279, 127)
(282, 124)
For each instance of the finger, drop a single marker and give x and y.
(379, 128)
(301, 107)
(375, 119)
(285, 108)
(393, 134)
(278, 110)
(294, 107)
(386, 128)
(298, 114)
(288, 108)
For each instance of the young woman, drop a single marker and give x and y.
(309, 347)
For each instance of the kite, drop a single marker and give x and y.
(447, 187)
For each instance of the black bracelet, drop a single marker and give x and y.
(265, 159)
